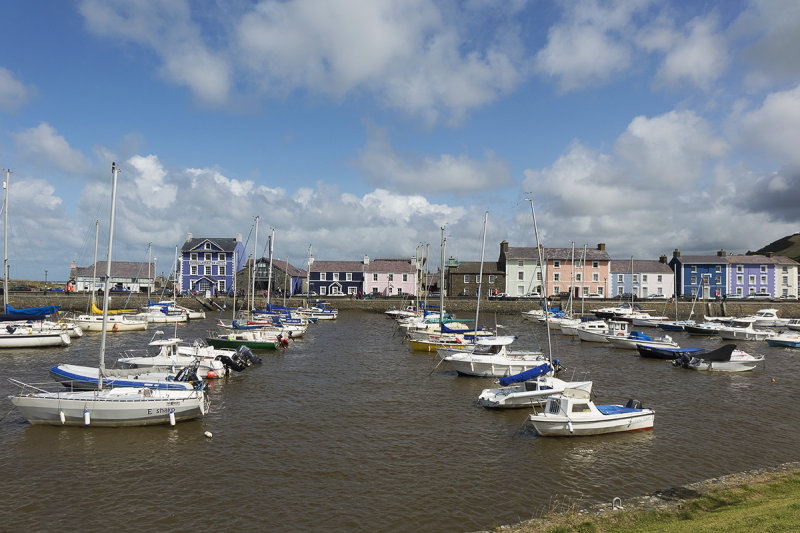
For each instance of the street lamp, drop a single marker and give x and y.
(45, 277)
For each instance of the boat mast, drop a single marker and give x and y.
(480, 275)
(441, 283)
(541, 262)
(114, 174)
(572, 279)
(308, 277)
(269, 276)
(94, 272)
(632, 295)
(5, 243)
(285, 280)
(583, 277)
(253, 269)
(149, 274)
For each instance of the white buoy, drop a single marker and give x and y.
(569, 425)
(172, 417)
(86, 417)
(62, 416)
(208, 434)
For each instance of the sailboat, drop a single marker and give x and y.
(111, 407)
(25, 328)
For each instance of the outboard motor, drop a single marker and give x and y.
(557, 366)
(247, 355)
(235, 362)
(634, 404)
(189, 374)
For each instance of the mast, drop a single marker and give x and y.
(175, 272)
(253, 270)
(308, 277)
(583, 277)
(5, 243)
(632, 295)
(114, 174)
(285, 280)
(94, 272)
(269, 276)
(441, 283)
(541, 262)
(480, 274)
(233, 305)
(149, 248)
(572, 279)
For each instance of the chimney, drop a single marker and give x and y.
(188, 237)
(601, 247)
(721, 253)
(676, 253)
(769, 254)
(238, 237)
(663, 259)
(366, 259)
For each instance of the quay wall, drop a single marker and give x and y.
(79, 303)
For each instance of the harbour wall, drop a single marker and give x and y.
(79, 303)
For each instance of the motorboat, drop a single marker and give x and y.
(766, 318)
(597, 333)
(571, 328)
(743, 330)
(256, 339)
(614, 312)
(573, 413)
(787, 339)
(704, 329)
(670, 353)
(646, 320)
(113, 323)
(490, 357)
(637, 338)
(76, 377)
(172, 354)
(725, 359)
(529, 388)
(794, 324)
(23, 335)
(675, 325)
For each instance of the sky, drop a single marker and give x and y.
(353, 127)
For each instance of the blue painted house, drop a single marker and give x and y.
(336, 278)
(208, 264)
(695, 271)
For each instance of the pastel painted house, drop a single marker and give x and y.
(207, 265)
(643, 278)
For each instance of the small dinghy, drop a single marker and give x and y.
(725, 359)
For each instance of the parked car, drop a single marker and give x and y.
(54, 289)
(531, 295)
(657, 296)
(788, 297)
(733, 296)
(759, 296)
(119, 290)
(594, 295)
(499, 296)
(21, 288)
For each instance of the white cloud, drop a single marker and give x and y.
(13, 93)
(698, 58)
(44, 147)
(149, 181)
(445, 173)
(774, 128)
(168, 29)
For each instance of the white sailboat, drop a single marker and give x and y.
(115, 407)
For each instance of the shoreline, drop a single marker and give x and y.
(671, 499)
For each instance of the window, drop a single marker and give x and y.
(636, 278)
(578, 276)
(660, 291)
(193, 256)
(644, 278)
(335, 276)
(349, 276)
(600, 291)
(194, 270)
(556, 289)
(620, 278)
(491, 279)
(521, 275)
(222, 270)
(595, 264)
(751, 279)
(323, 277)
(595, 277)
(520, 263)
(719, 269)
(201, 271)
(585, 291)
(374, 277)
(785, 269)
(556, 264)
(351, 290)
(580, 408)
(520, 290)
(763, 279)
(374, 290)
(718, 280)
(694, 269)
(405, 277)
(466, 278)
(539, 276)
(763, 268)
(739, 279)
(389, 291)
(556, 276)
(739, 268)
(399, 290)
(659, 278)
(221, 286)
(220, 257)
(391, 277)
(785, 280)
(207, 246)
(694, 280)
(323, 290)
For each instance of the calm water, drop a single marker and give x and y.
(349, 430)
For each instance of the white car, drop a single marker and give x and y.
(657, 296)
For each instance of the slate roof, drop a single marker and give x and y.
(640, 266)
(223, 244)
(563, 254)
(119, 269)
(737, 259)
(474, 267)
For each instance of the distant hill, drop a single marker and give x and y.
(788, 246)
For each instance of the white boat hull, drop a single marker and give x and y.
(111, 407)
(34, 340)
(562, 426)
(114, 323)
(528, 394)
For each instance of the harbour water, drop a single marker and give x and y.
(349, 430)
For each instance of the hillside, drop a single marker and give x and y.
(788, 246)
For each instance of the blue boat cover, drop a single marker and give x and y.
(526, 375)
(639, 336)
(30, 313)
(616, 409)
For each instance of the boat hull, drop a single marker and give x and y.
(34, 340)
(219, 342)
(561, 426)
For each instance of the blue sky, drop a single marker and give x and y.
(362, 127)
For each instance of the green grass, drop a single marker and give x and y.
(766, 506)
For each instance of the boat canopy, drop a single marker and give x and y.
(29, 313)
(531, 373)
(638, 335)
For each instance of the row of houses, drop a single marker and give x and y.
(217, 265)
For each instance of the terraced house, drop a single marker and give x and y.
(208, 264)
